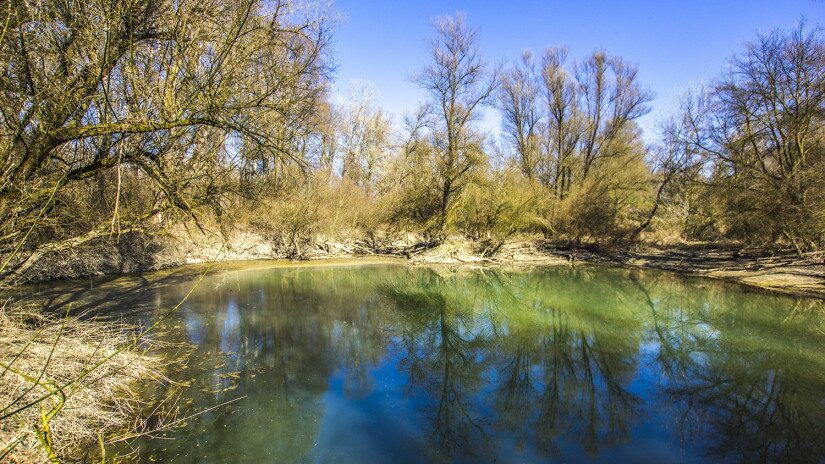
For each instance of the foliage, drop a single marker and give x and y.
(143, 116)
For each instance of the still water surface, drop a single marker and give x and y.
(374, 364)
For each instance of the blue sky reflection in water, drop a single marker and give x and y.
(397, 364)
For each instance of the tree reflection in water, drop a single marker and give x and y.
(747, 376)
(578, 364)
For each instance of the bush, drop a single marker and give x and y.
(497, 205)
(607, 205)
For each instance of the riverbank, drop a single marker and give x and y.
(781, 271)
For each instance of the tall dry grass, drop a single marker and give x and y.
(67, 383)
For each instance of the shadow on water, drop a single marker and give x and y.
(398, 364)
(105, 296)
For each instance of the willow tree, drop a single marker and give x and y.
(171, 93)
(459, 83)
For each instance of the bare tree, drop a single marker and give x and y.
(563, 125)
(611, 99)
(519, 99)
(459, 82)
(672, 157)
(364, 137)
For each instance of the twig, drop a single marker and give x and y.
(178, 421)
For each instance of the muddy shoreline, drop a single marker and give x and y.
(782, 271)
(778, 271)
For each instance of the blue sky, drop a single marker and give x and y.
(675, 44)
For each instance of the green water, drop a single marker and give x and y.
(394, 364)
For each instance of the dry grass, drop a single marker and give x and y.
(57, 358)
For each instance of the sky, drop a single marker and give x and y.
(675, 44)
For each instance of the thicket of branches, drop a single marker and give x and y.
(121, 116)
(750, 145)
(114, 114)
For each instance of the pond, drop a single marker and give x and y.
(389, 363)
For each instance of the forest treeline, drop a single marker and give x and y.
(133, 116)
